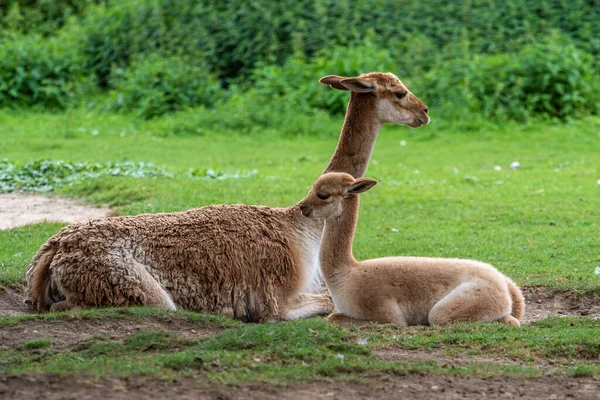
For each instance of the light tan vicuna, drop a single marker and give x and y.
(249, 262)
(401, 290)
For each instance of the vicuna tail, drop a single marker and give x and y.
(518, 306)
(39, 280)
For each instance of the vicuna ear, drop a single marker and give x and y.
(333, 81)
(361, 185)
(358, 85)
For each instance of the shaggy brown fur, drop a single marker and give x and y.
(401, 290)
(247, 262)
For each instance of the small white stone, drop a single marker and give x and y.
(339, 357)
(395, 230)
(362, 341)
(514, 165)
(403, 143)
(497, 168)
(597, 271)
(95, 132)
(455, 170)
(598, 181)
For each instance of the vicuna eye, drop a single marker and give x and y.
(322, 196)
(400, 95)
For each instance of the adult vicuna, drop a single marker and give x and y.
(400, 290)
(248, 262)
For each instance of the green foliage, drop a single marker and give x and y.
(47, 175)
(161, 56)
(40, 16)
(38, 72)
(297, 81)
(551, 78)
(233, 37)
(156, 85)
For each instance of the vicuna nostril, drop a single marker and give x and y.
(302, 207)
(426, 110)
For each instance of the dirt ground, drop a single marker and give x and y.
(409, 387)
(20, 209)
(69, 332)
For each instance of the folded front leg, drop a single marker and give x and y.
(307, 305)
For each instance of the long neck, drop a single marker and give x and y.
(357, 138)
(336, 246)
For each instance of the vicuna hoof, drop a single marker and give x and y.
(60, 306)
(339, 318)
(510, 321)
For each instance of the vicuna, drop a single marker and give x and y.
(248, 262)
(400, 290)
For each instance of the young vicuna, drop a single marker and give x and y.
(400, 290)
(251, 263)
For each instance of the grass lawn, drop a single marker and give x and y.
(445, 190)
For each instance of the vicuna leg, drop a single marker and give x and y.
(510, 321)
(472, 301)
(339, 318)
(126, 284)
(308, 305)
(60, 306)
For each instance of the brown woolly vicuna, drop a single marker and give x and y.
(400, 290)
(249, 262)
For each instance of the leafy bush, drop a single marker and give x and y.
(155, 85)
(39, 16)
(551, 78)
(234, 37)
(297, 81)
(34, 71)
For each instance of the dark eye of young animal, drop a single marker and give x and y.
(322, 196)
(400, 95)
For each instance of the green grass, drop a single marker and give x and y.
(131, 314)
(17, 247)
(37, 344)
(440, 194)
(313, 349)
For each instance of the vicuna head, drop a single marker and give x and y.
(395, 103)
(326, 198)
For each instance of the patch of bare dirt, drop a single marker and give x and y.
(23, 209)
(66, 333)
(12, 302)
(409, 387)
(541, 302)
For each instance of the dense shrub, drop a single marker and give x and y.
(38, 72)
(234, 36)
(551, 78)
(39, 16)
(155, 85)
(297, 82)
